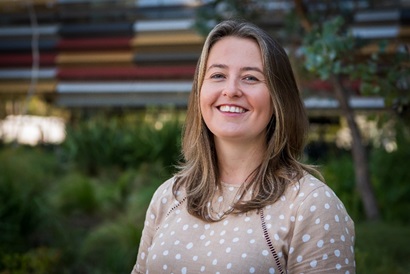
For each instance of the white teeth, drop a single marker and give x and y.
(232, 109)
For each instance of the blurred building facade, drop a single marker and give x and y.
(105, 53)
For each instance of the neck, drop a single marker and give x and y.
(237, 162)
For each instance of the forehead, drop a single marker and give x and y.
(232, 48)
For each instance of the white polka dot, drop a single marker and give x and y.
(152, 216)
(299, 259)
(247, 219)
(338, 266)
(143, 255)
(306, 238)
(346, 261)
(178, 256)
(226, 222)
(301, 194)
(337, 253)
(202, 268)
(324, 257)
(223, 232)
(268, 226)
(164, 267)
(202, 237)
(281, 216)
(332, 241)
(252, 241)
(189, 246)
(265, 253)
(313, 263)
(252, 270)
(327, 194)
(244, 255)
(337, 218)
(292, 218)
(320, 243)
(300, 218)
(195, 258)
(268, 217)
(228, 249)
(276, 236)
(220, 199)
(183, 270)
(179, 220)
(185, 227)
(317, 221)
(215, 261)
(312, 208)
(249, 231)
(291, 206)
(236, 229)
(271, 270)
(164, 200)
(177, 211)
(195, 226)
(165, 253)
(342, 238)
(326, 226)
(291, 250)
(154, 256)
(235, 240)
(212, 233)
(221, 241)
(315, 195)
(327, 206)
(207, 243)
(207, 226)
(209, 254)
(229, 266)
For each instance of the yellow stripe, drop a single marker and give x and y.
(68, 58)
(23, 87)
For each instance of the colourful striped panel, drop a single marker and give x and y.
(112, 73)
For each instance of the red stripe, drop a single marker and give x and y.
(26, 59)
(110, 73)
(94, 43)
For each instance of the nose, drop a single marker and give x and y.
(232, 89)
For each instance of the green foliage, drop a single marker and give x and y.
(391, 177)
(125, 142)
(382, 248)
(326, 49)
(218, 10)
(37, 261)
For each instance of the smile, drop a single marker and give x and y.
(232, 109)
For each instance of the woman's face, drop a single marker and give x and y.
(234, 98)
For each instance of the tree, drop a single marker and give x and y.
(330, 53)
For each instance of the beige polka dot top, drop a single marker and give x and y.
(307, 231)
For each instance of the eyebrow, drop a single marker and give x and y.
(242, 69)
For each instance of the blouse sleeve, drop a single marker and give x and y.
(323, 238)
(154, 215)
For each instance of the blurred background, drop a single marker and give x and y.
(93, 96)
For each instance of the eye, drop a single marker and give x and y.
(250, 78)
(217, 76)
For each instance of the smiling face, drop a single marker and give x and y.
(234, 98)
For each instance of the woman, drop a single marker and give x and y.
(242, 202)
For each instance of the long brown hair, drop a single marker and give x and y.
(199, 176)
